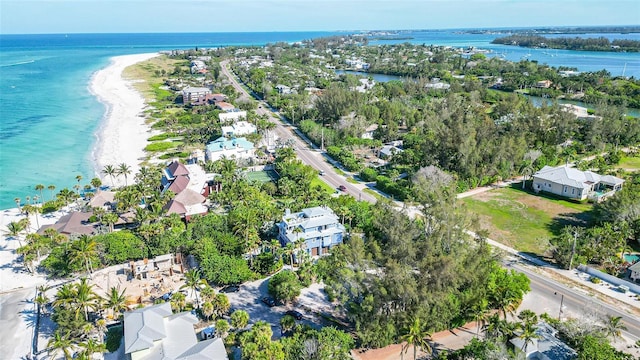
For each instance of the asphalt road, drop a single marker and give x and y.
(16, 344)
(573, 301)
(543, 287)
(310, 156)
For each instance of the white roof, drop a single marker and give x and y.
(573, 177)
(144, 326)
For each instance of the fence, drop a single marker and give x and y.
(610, 279)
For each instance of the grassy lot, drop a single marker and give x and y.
(317, 182)
(629, 163)
(148, 82)
(523, 220)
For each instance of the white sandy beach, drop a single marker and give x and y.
(123, 134)
(121, 139)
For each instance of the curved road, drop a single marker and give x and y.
(547, 288)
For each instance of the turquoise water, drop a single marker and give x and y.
(631, 257)
(48, 118)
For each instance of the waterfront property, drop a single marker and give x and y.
(318, 228)
(237, 129)
(155, 332)
(634, 272)
(575, 184)
(194, 94)
(232, 116)
(191, 187)
(235, 148)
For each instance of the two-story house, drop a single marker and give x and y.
(318, 228)
(234, 148)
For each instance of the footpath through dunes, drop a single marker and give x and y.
(123, 134)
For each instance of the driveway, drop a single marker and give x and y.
(248, 299)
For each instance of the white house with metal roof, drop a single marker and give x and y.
(155, 333)
(318, 227)
(235, 148)
(239, 128)
(575, 184)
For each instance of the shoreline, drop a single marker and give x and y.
(122, 134)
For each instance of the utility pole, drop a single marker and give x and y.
(573, 249)
(322, 139)
(561, 302)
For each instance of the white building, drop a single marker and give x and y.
(318, 227)
(238, 129)
(236, 148)
(232, 116)
(192, 94)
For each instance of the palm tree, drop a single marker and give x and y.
(59, 343)
(207, 309)
(90, 347)
(528, 334)
(96, 183)
(287, 323)
(116, 301)
(101, 326)
(222, 328)
(77, 186)
(207, 293)
(614, 326)
(86, 298)
(124, 170)
(239, 319)
(194, 281)
(32, 209)
(178, 301)
(84, 250)
(40, 188)
(110, 171)
(51, 188)
(415, 335)
(65, 296)
(14, 229)
(221, 304)
(42, 300)
(289, 250)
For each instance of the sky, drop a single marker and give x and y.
(148, 16)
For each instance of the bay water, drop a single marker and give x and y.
(49, 120)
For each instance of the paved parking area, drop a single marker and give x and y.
(248, 299)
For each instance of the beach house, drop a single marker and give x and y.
(234, 148)
(156, 333)
(318, 228)
(189, 183)
(575, 184)
(545, 346)
(237, 129)
(194, 94)
(231, 116)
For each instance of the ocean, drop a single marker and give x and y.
(49, 119)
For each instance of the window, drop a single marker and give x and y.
(573, 191)
(566, 188)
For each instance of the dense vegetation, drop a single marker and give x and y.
(576, 43)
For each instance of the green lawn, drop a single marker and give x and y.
(630, 163)
(318, 182)
(525, 221)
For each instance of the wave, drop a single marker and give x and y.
(19, 63)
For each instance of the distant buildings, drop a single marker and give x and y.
(235, 148)
(575, 184)
(156, 333)
(318, 227)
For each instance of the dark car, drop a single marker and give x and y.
(342, 188)
(230, 289)
(269, 301)
(295, 314)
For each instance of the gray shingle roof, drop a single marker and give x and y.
(573, 177)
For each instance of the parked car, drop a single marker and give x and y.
(269, 301)
(321, 172)
(230, 289)
(296, 315)
(342, 188)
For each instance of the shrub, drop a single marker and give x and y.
(595, 280)
(161, 146)
(114, 337)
